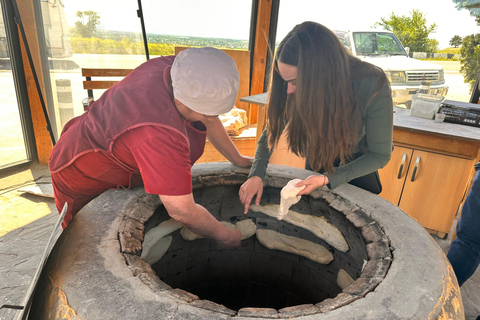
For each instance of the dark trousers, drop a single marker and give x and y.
(464, 253)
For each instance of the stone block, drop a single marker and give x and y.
(376, 268)
(137, 264)
(362, 286)
(359, 218)
(298, 311)
(183, 295)
(373, 233)
(212, 306)
(378, 250)
(129, 244)
(153, 282)
(259, 312)
(340, 300)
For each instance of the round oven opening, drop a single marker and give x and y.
(306, 264)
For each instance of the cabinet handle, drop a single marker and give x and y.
(415, 168)
(402, 165)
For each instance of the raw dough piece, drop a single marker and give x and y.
(317, 225)
(288, 197)
(344, 279)
(157, 251)
(157, 233)
(313, 251)
(246, 227)
(228, 225)
(189, 235)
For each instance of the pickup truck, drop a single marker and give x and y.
(383, 49)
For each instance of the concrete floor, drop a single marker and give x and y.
(27, 221)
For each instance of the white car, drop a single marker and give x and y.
(383, 49)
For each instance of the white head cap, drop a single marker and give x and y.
(205, 80)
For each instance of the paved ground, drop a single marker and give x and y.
(26, 222)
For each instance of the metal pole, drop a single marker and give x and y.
(18, 21)
(144, 33)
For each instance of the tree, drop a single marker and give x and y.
(87, 23)
(470, 52)
(456, 41)
(412, 31)
(472, 5)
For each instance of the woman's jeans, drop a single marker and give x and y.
(464, 253)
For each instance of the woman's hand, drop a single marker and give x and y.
(251, 187)
(312, 183)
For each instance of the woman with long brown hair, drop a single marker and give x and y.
(335, 110)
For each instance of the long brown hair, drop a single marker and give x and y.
(321, 117)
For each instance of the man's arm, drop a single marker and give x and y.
(198, 220)
(219, 138)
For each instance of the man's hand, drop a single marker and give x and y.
(243, 161)
(198, 220)
(252, 187)
(311, 183)
(232, 239)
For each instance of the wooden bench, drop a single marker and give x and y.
(89, 84)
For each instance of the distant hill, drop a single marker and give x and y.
(450, 50)
(173, 39)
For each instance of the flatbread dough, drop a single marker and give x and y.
(317, 225)
(344, 279)
(246, 227)
(154, 240)
(157, 251)
(278, 241)
(189, 235)
(288, 197)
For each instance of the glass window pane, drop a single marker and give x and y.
(108, 34)
(221, 24)
(12, 141)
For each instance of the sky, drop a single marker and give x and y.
(231, 18)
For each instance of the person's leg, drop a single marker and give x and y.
(63, 193)
(464, 253)
(83, 180)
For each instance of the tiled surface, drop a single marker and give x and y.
(26, 223)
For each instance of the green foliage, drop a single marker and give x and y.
(450, 51)
(198, 41)
(87, 23)
(471, 5)
(412, 31)
(124, 46)
(470, 52)
(456, 41)
(120, 42)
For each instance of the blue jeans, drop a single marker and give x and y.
(464, 253)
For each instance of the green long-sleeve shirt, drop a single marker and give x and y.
(374, 143)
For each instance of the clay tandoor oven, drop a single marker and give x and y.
(342, 254)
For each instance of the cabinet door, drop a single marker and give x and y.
(393, 174)
(433, 189)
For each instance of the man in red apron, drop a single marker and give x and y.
(149, 129)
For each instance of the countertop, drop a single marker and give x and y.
(403, 120)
